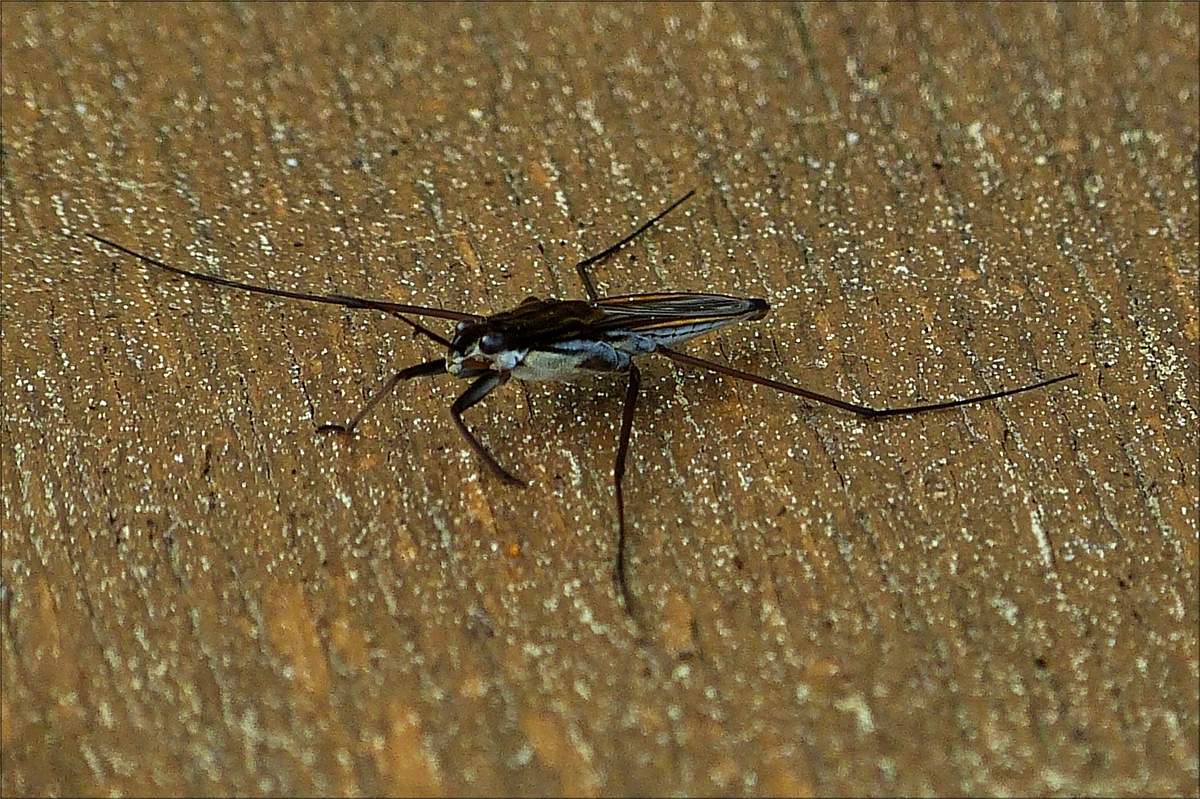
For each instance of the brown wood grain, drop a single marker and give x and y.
(201, 594)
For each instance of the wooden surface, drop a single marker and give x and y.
(203, 595)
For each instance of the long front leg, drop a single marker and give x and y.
(428, 369)
(631, 395)
(485, 385)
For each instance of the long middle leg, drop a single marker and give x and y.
(631, 395)
(582, 266)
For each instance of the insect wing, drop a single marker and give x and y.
(673, 318)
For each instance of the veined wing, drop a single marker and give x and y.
(661, 318)
(667, 319)
(647, 312)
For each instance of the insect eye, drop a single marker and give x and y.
(491, 344)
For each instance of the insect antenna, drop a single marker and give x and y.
(420, 328)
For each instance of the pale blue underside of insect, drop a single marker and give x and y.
(657, 321)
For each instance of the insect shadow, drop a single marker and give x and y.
(572, 339)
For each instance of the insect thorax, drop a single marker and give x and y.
(572, 359)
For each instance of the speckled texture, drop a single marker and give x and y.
(203, 595)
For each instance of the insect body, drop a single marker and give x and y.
(567, 340)
(571, 339)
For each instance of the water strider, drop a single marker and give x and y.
(571, 339)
